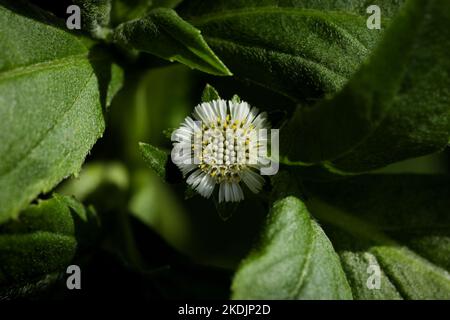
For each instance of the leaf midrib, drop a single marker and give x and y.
(305, 267)
(43, 65)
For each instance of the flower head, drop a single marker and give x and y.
(222, 145)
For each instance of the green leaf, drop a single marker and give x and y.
(153, 203)
(209, 94)
(400, 223)
(235, 98)
(163, 33)
(294, 260)
(395, 107)
(126, 10)
(100, 15)
(166, 3)
(96, 16)
(94, 176)
(154, 158)
(359, 7)
(296, 48)
(41, 244)
(50, 104)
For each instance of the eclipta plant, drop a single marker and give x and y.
(227, 149)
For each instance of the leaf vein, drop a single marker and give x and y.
(45, 65)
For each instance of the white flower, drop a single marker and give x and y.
(222, 146)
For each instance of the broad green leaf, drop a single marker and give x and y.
(294, 260)
(395, 107)
(209, 94)
(50, 104)
(399, 223)
(199, 7)
(302, 51)
(39, 245)
(163, 33)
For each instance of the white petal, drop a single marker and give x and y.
(206, 186)
(253, 180)
(233, 106)
(209, 109)
(180, 136)
(260, 121)
(186, 168)
(252, 115)
(195, 178)
(200, 113)
(235, 110)
(184, 130)
(231, 192)
(238, 195)
(205, 112)
(190, 122)
(239, 110)
(227, 191)
(222, 112)
(245, 110)
(222, 187)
